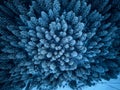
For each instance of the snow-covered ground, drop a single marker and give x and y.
(113, 84)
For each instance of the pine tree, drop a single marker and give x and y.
(44, 43)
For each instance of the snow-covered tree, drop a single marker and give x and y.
(46, 42)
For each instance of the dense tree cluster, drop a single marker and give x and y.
(46, 42)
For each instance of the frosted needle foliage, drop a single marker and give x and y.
(44, 43)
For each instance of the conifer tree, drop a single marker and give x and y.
(44, 43)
